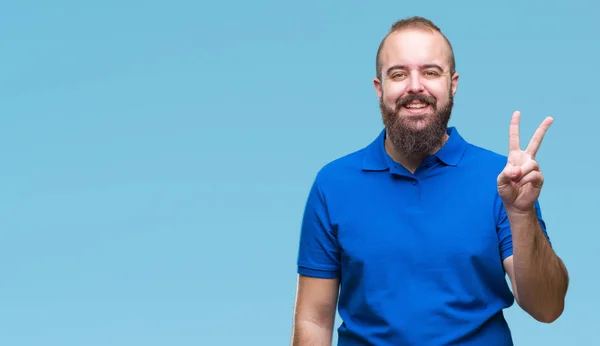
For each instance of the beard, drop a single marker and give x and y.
(408, 134)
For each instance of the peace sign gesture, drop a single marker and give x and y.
(520, 183)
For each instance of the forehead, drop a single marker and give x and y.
(414, 48)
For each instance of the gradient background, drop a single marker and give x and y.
(156, 156)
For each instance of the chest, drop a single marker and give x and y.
(412, 225)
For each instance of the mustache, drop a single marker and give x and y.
(403, 101)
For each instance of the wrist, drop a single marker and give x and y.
(523, 223)
(513, 212)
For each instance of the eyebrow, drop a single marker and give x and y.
(426, 66)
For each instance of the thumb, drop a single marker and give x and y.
(509, 174)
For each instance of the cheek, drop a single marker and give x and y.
(441, 97)
(441, 93)
(392, 92)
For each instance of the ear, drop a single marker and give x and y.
(378, 87)
(454, 83)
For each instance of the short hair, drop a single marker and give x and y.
(414, 22)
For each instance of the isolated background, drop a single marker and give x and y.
(156, 156)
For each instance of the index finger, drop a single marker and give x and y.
(538, 136)
(513, 135)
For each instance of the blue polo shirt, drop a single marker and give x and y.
(419, 256)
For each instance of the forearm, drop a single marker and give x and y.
(307, 333)
(541, 277)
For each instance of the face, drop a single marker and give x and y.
(416, 90)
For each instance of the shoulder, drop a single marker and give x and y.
(337, 170)
(484, 159)
(334, 180)
(352, 165)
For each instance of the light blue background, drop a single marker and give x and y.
(156, 156)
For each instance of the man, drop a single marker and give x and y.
(416, 232)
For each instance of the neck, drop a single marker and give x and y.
(410, 162)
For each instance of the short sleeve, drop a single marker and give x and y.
(505, 235)
(318, 254)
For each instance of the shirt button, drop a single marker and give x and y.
(414, 182)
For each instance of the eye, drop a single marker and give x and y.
(399, 75)
(431, 73)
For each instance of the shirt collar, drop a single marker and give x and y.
(377, 159)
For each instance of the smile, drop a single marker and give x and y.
(416, 105)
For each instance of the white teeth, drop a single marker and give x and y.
(418, 105)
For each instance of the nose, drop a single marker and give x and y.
(414, 84)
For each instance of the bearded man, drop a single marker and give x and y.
(411, 238)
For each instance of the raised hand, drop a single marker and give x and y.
(520, 183)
